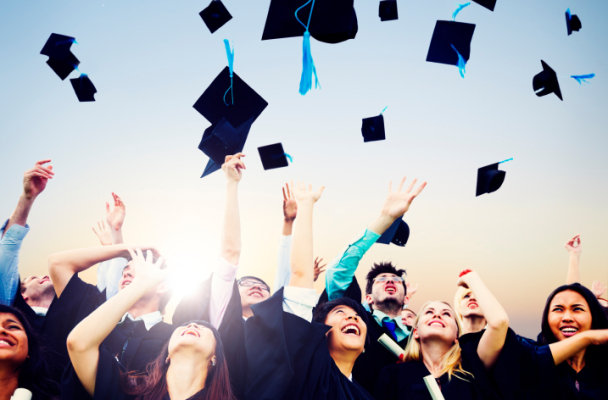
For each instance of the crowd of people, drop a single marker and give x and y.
(236, 339)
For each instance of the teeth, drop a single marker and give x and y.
(436, 323)
(348, 328)
(569, 330)
(5, 342)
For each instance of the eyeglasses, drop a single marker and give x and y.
(389, 278)
(253, 283)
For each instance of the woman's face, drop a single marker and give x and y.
(437, 321)
(469, 306)
(569, 314)
(194, 338)
(13, 340)
(348, 330)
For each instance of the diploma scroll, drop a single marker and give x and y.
(391, 346)
(433, 387)
(22, 394)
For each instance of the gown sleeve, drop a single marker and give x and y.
(386, 384)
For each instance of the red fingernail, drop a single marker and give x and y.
(463, 273)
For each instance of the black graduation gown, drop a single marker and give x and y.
(376, 357)
(107, 384)
(529, 372)
(34, 319)
(231, 330)
(405, 380)
(287, 358)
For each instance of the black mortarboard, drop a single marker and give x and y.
(247, 103)
(446, 35)
(398, 233)
(215, 15)
(489, 4)
(332, 21)
(373, 129)
(388, 10)
(273, 156)
(220, 140)
(547, 81)
(61, 60)
(489, 179)
(84, 88)
(573, 23)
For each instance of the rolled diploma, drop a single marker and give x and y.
(391, 346)
(433, 387)
(22, 394)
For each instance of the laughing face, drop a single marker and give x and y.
(252, 292)
(389, 293)
(37, 288)
(569, 314)
(348, 330)
(193, 338)
(469, 306)
(13, 340)
(437, 321)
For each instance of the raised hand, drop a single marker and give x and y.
(103, 233)
(411, 290)
(467, 278)
(598, 289)
(145, 270)
(318, 268)
(233, 167)
(290, 206)
(35, 179)
(116, 217)
(574, 245)
(397, 203)
(303, 194)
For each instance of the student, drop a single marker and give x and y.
(435, 349)
(35, 294)
(190, 366)
(385, 289)
(23, 362)
(290, 357)
(407, 317)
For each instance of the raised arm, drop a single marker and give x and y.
(116, 218)
(598, 288)
(230, 249)
(15, 229)
(493, 339)
(564, 349)
(342, 268)
(84, 340)
(290, 211)
(63, 265)
(575, 249)
(302, 271)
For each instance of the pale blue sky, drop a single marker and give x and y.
(151, 60)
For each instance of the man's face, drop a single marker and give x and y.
(252, 292)
(408, 317)
(37, 288)
(387, 290)
(128, 274)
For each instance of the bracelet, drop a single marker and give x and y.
(601, 298)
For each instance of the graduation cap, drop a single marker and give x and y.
(573, 23)
(332, 21)
(489, 4)
(61, 60)
(221, 139)
(388, 10)
(398, 233)
(451, 43)
(215, 15)
(215, 103)
(546, 82)
(490, 178)
(373, 128)
(84, 88)
(273, 156)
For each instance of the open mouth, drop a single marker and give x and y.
(44, 280)
(191, 332)
(473, 304)
(5, 343)
(125, 283)
(390, 290)
(568, 331)
(256, 293)
(436, 322)
(351, 329)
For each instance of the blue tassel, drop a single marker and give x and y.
(66, 41)
(230, 54)
(506, 160)
(384, 110)
(277, 156)
(582, 78)
(461, 62)
(308, 67)
(460, 7)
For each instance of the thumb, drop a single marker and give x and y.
(107, 208)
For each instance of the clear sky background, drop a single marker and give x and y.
(151, 60)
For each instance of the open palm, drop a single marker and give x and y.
(397, 203)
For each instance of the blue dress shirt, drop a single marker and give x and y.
(10, 244)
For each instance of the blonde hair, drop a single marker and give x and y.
(452, 360)
(460, 293)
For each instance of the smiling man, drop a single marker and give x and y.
(385, 289)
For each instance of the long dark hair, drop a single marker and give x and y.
(153, 384)
(321, 313)
(34, 373)
(598, 320)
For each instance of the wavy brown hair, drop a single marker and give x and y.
(153, 384)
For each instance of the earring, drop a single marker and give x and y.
(364, 349)
(167, 360)
(213, 362)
